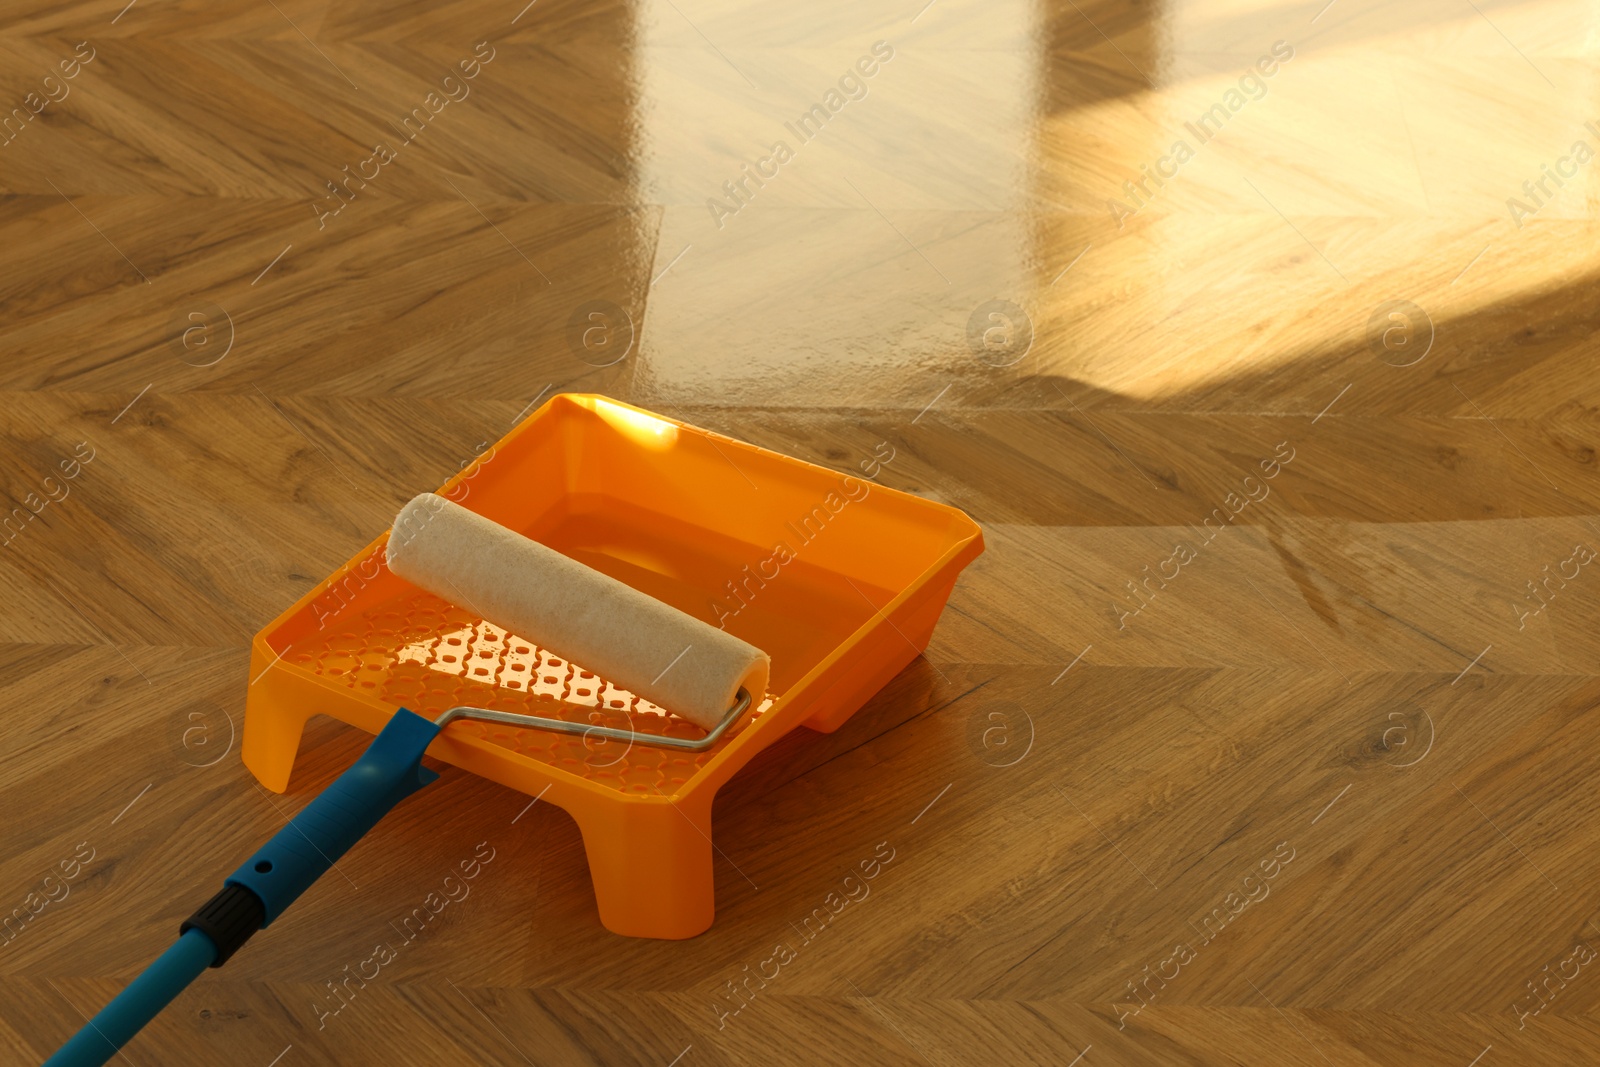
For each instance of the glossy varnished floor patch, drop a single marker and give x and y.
(1258, 337)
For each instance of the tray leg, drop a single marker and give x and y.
(272, 732)
(651, 866)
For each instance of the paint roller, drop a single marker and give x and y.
(633, 640)
(688, 667)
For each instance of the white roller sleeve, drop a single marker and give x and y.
(689, 667)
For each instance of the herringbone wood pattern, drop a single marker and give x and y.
(1265, 731)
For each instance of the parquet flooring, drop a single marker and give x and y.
(1314, 789)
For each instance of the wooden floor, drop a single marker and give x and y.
(1266, 730)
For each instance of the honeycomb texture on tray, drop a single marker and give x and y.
(426, 654)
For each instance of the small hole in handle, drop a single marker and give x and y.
(264, 867)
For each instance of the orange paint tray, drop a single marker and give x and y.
(838, 579)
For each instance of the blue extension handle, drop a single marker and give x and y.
(153, 990)
(389, 771)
